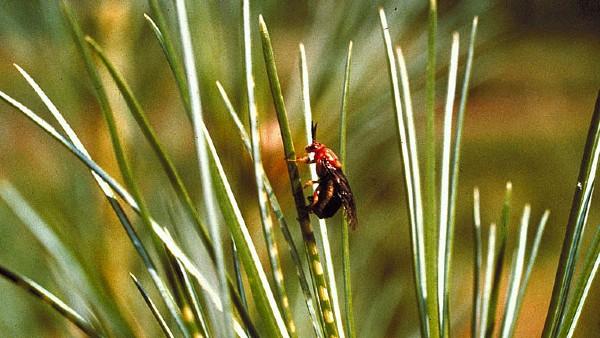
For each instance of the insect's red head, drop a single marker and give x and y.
(315, 145)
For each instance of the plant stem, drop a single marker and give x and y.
(349, 314)
(315, 266)
(590, 268)
(159, 318)
(516, 274)
(49, 298)
(477, 262)
(278, 214)
(499, 254)
(431, 232)
(408, 151)
(327, 257)
(487, 281)
(445, 235)
(454, 169)
(575, 224)
(265, 216)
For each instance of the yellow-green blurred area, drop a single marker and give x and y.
(535, 78)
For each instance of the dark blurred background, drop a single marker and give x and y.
(535, 79)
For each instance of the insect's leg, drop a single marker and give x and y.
(303, 159)
(309, 183)
(315, 197)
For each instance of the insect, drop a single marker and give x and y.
(333, 190)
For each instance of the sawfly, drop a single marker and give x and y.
(333, 190)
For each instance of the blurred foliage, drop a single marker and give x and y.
(534, 83)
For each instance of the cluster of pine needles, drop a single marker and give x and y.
(250, 302)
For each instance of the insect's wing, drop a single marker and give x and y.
(345, 194)
(349, 207)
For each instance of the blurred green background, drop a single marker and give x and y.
(535, 79)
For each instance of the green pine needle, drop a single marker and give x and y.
(161, 322)
(349, 310)
(315, 265)
(49, 298)
(575, 227)
(274, 204)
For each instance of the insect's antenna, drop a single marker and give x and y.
(314, 131)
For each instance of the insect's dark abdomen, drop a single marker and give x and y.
(326, 209)
(329, 200)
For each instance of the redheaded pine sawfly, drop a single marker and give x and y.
(333, 190)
